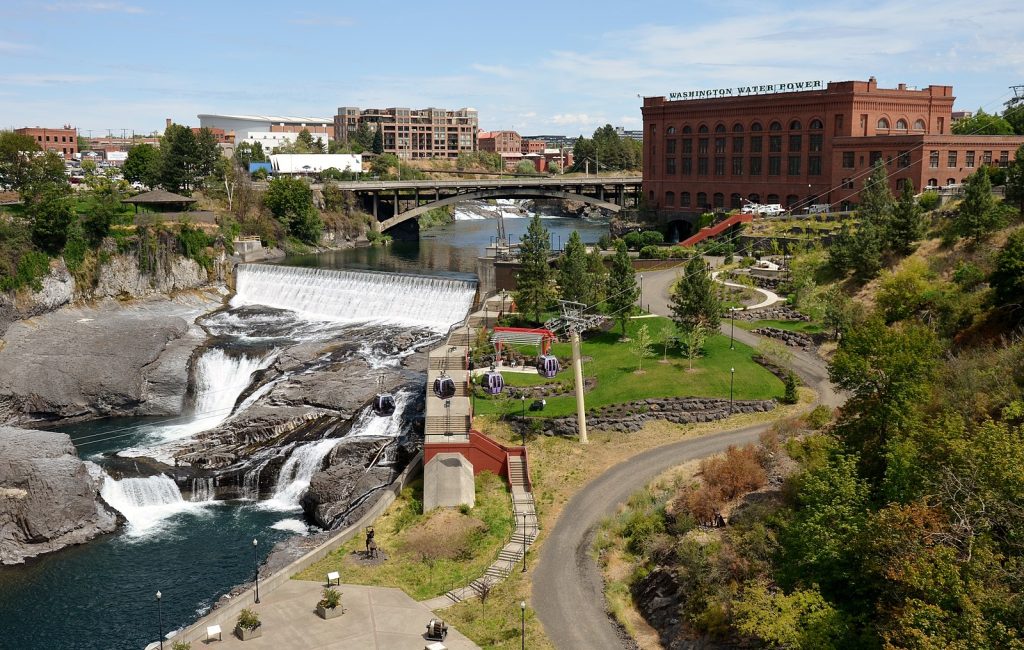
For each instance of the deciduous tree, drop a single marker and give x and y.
(641, 346)
(143, 165)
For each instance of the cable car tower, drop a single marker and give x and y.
(575, 320)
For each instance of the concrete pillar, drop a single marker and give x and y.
(398, 208)
(376, 203)
(577, 370)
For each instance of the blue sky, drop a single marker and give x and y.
(537, 67)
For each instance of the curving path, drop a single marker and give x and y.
(568, 592)
(770, 297)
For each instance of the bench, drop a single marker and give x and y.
(333, 576)
(435, 646)
(214, 629)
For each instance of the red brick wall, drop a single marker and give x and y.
(60, 141)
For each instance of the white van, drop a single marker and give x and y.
(750, 208)
(818, 208)
(770, 209)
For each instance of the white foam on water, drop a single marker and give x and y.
(296, 473)
(146, 502)
(371, 424)
(292, 525)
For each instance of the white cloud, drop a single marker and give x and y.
(21, 79)
(112, 7)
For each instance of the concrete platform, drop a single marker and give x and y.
(375, 618)
(448, 482)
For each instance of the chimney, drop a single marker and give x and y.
(901, 87)
(169, 119)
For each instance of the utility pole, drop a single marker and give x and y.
(574, 321)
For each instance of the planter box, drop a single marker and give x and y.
(245, 634)
(327, 613)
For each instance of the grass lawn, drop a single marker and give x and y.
(806, 327)
(613, 364)
(403, 533)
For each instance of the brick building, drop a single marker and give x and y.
(410, 134)
(531, 145)
(500, 142)
(62, 141)
(801, 147)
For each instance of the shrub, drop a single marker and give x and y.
(651, 238)
(928, 201)
(248, 619)
(735, 473)
(703, 503)
(819, 417)
(654, 253)
(181, 645)
(634, 240)
(790, 396)
(193, 243)
(604, 242)
(31, 268)
(330, 598)
(968, 276)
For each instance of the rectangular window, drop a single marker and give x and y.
(774, 165)
(684, 200)
(47, 138)
(814, 166)
(687, 145)
(986, 157)
(969, 159)
(847, 183)
(719, 166)
(874, 157)
(795, 143)
(719, 145)
(687, 166)
(1004, 158)
(847, 160)
(737, 166)
(702, 145)
(951, 162)
(755, 144)
(670, 147)
(817, 142)
(904, 159)
(775, 143)
(933, 159)
(794, 166)
(755, 166)
(737, 145)
(702, 166)
(670, 166)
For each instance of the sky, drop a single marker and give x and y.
(556, 67)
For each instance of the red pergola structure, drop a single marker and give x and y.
(542, 338)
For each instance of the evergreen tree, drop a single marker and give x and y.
(50, 211)
(977, 217)
(304, 141)
(1007, 279)
(177, 159)
(207, 154)
(378, 141)
(574, 280)
(1015, 177)
(598, 277)
(907, 225)
(535, 289)
(622, 288)
(364, 136)
(694, 300)
(861, 251)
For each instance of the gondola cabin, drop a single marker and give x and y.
(384, 404)
(548, 366)
(492, 382)
(444, 387)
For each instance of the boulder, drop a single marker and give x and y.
(48, 498)
(333, 491)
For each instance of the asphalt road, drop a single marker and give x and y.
(567, 586)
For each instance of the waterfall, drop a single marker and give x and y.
(144, 502)
(251, 483)
(297, 472)
(356, 296)
(202, 490)
(371, 424)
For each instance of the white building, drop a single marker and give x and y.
(312, 163)
(269, 140)
(242, 125)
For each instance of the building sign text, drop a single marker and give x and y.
(740, 91)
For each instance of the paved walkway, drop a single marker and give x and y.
(375, 618)
(770, 297)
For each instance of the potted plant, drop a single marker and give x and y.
(330, 604)
(181, 645)
(248, 625)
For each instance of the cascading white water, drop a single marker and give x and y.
(144, 502)
(370, 424)
(202, 490)
(296, 473)
(356, 296)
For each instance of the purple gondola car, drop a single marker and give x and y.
(548, 366)
(493, 382)
(444, 387)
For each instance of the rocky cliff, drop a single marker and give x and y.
(48, 498)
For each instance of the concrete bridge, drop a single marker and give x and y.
(396, 202)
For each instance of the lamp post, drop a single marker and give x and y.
(732, 381)
(160, 619)
(256, 567)
(522, 629)
(522, 398)
(524, 542)
(732, 328)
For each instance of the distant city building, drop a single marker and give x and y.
(500, 142)
(238, 127)
(62, 141)
(412, 134)
(533, 146)
(554, 140)
(220, 135)
(962, 115)
(632, 135)
(270, 140)
(120, 143)
(312, 163)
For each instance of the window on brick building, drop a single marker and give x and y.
(774, 165)
(719, 145)
(900, 182)
(755, 144)
(774, 126)
(737, 145)
(687, 146)
(670, 146)
(874, 157)
(882, 124)
(670, 130)
(795, 125)
(719, 166)
(933, 182)
(737, 128)
(951, 161)
(720, 128)
(702, 199)
(684, 200)
(47, 138)
(903, 159)
(986, 157)
(687, 166)
(817, 125)
(755, 166)
(737, 166)
(793, 168)
(919, 125)
(670, 166)
(817, 142)
(814, 166)
(795, 143)
(756, 126)
(1004, 158)
(702, 129)
(773, 198)
(719, 200)
(702, 145)
(735, 201)
(775, 143)
(969, 159)
(702, 166)
(933, 159)
(687, 129)
(838, 126)
(670, 199)
(901, 125)
(754, 198)
(847, 183)
(848, 160)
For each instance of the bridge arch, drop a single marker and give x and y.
(496, 193)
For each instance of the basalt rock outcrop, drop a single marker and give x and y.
(781, 312)
(792, 339)
(48, 498)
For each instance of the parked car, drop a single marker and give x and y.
(819, 208)
(750, 208)
(770, 209)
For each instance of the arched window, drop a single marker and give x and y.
(795, 125)
(684, 200)
(774, 126)
(933, 182)
(882, 123)
(919, 125)
(703, 128)
(816, 125)
(670, 130)
(950, 181)
(687, 129)
(791, 201)
(719, 200)
(737, 128)
(754, 198)
(670, 199)
(773, 198)
(901, 124)
(720, 128)
(756, 126)
(702, 199)
(735, 202)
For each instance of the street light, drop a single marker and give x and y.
(523, 399)
(732, 328)
(732, 380)
(256, 567)
(160, 619)
(522, 630)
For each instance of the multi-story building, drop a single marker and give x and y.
(533, 146)
(413, 134)
(237, 128)
(721, 148)
(500, 142)
(62, 141)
